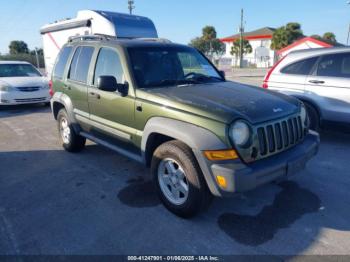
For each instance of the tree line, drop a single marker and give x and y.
(285, 35)
(19, 51)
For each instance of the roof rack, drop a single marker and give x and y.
(97, 37)
(90, 37)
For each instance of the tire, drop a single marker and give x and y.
(71, 141)
(177, 156)
(314, 117)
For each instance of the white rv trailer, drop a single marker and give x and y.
(90, 22)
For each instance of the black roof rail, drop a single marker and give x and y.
(100, 37)
(90, 37)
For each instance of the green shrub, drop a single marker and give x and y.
(24, 57)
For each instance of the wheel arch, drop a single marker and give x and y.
(195, 137)
(61, 100)
(311, 103)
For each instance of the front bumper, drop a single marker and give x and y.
(17, 97)
(242, 177)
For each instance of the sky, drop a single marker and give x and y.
(179, 20)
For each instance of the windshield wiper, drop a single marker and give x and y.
(202, 78)
(163, 82)
(174, 82)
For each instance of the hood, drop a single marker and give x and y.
(24, 81)
(225, 101)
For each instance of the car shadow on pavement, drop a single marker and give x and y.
(289, 205)
(18, 110)
(139, 193)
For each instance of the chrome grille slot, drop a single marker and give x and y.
(271, 138)
(28, 88)
(26, 100)
(296, 129)
(300, 127)
(262, 141)
(291, 131)
(285, 133)
(280, 135)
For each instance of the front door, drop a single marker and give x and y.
(330, 85)
(110, 112)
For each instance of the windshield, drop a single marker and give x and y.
(166, 66)
(18, 70)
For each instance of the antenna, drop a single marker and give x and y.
(241, 31)
(131, 5)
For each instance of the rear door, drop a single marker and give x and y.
(76, 85)
(330, 86)
(291, 77)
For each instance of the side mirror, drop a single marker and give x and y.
(107, 83)
(222, 74)
(123, 89)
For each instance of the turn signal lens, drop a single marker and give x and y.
(221, 181)
(218, 155)
(51, 92)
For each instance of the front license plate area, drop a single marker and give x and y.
(295, 166)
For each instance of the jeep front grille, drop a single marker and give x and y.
(279, 136)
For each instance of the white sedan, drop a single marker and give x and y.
(22, 83)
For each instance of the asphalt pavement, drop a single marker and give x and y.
(98, 202)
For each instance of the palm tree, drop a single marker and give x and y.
(235, 49)
(330, 37)
(286, 35)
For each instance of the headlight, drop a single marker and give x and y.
(303, 115)
(240, 133)
(5, 87)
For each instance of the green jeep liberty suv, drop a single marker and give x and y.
(167, 106)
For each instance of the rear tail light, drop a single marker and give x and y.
(51, 92)
(269, 73)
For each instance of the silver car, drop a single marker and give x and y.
(22, 83)
(318, 77)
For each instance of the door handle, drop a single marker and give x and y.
(95, 95)
(316, 82)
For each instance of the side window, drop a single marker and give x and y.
(61, 62)
(108, 63)
(79, 68)
(345, 67)
(336, 65)
(302, 67)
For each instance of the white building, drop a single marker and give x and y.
(304, 43)
(262, 54)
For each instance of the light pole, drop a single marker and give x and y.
(347, 41)
(37, 57)
(131, 6)
(241, 32)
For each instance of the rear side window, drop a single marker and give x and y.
(335, 65)
(302, 67)
(108, 64)
(79, 68)
(61, 62)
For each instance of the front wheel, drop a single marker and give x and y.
(71, 141)
(179, 180)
